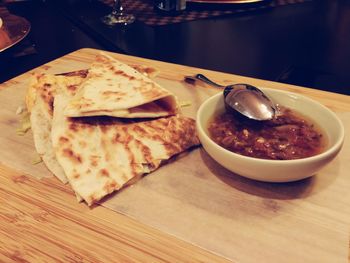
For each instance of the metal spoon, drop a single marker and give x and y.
(244, 98)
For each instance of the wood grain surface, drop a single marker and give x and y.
(42, 222)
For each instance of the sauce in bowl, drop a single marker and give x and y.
(288, 136)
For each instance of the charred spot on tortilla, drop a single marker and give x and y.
(74, 157)
(110, 186)
(104, 172)
(94, 160)
(73, 126)
(72, 88)
(63, 139)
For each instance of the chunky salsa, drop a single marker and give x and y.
(286, 137)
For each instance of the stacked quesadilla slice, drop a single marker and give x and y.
(99, 154)
(39, 100)
(115, 89)
(100, 129)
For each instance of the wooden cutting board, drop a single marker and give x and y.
(304, 221)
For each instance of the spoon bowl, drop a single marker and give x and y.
(246, 99)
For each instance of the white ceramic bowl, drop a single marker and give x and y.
(274, 170)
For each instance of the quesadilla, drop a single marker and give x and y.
(112, 88)
(39, 102)
(100, 155)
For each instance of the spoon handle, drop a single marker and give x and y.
(203, 78)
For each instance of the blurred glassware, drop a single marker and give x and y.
(117, 16)
(170, 6)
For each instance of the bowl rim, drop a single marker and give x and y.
(336, 146)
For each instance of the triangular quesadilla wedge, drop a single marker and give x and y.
(113, 88)
(101, 154)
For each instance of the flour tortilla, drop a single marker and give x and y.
(46, 86)
(100, 155)
(39, 103)
(115, 89)
(41, 128)
(39, 100)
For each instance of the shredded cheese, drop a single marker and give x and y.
(185, 103)
(24, 123)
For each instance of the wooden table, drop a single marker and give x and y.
(41, 221)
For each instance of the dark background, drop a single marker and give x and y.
(306, 44)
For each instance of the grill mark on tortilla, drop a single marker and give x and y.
(105, 128)
(138, 129)
(94, 160)
(46, 86)
(172, 138)
(149, 90)
(126, 134)
(171, 148)
(110, 186)
(158, 138)
(131, 157)
(128, 76)
(73, 127)
(121, 73)
(75, 158)
(72, 88)
(146, 153)
(185, 138)
(63, 140)
(76, 126)
(46, 93)
(120, 136)
(92, 198)
(152, 129)
(103, 173)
